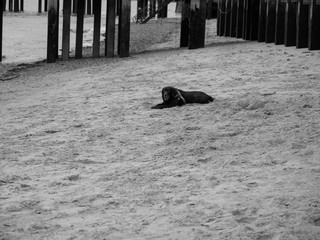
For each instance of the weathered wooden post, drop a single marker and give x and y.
(66, 29)
(221, 17)
(46, 5)
(302, 23)
(314, 25)
(39, 6)
(280, 17)
(75, 6)
(10, 8)
(233, 18)
(16, 6)
(89, 6)
(124, 28)
(10, 5)
(209, 8)
(4, 2)
(202, 23)
(254, 16)
(262, 21)
(57, 35)
(290, 23)
(53, 29)
(96, 29)
(139, 8)
(144, 8)
(161, 13)
(1, 27)
(245, 31)
(270, 21)
(239, 18)
(153, 4)
(118, 4)
(218, 20)
(21, 5)
(194, 18)
(79, 32)
(197, 24)
(228, 18)
(110, 28)
(185, 15)
(214, 9)
(248, 19)
(164, 11)
(152, 7)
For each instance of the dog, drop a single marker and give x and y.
(173, 97)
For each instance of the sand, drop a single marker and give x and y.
(82, 155)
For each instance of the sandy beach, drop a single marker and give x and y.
(83, 155)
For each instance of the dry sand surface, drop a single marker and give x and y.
(82, 155)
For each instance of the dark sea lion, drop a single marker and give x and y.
(173, 97)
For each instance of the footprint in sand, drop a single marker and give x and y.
(317, 222)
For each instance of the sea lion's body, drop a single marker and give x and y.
(173, 97)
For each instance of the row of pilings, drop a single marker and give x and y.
(193, 21)
(18, 6)
(288, 22)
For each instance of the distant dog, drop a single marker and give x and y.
(173, 97)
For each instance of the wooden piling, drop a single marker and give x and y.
(228, 18)
(89, 7)
(245, 20)
(221, 17)
(110, 28)
(96, 29)
(153, 4)
(254, 19)
(233, 18)
(10, 5)
(194, 17)
(202, 23)
(75, 6)
(164, 11)
(124, 28)
(144, 8)
(280, 17)
(16, 6)
(79, 32)
(139, 7)
(53, 29)
(197, 24)
(1, 28)
(66, 29)
(57, 34)
(290, 23)
(218, 20)
(262, 21)
(209, 12)
(21, 5)
(185, 14)
(45, 5)
(314, 25)
(4, 4)
(270, 21)
(302, 23)
(39, 6)
(118, 4)
(239, 18)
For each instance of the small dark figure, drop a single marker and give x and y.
(173, 97)
(139, 14)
